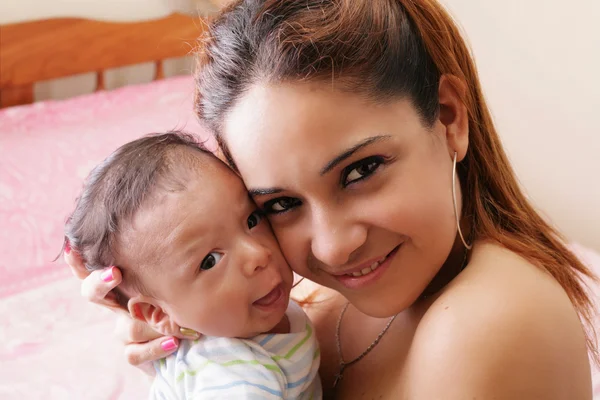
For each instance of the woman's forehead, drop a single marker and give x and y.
(299, 123)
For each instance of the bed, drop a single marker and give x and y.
(54, 344)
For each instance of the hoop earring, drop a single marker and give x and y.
(467, 246)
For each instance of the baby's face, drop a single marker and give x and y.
(208, 258)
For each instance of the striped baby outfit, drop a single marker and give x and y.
(267, 366)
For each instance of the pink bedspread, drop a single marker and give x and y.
(54, 345)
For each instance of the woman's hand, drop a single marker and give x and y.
(142, 344)
(97, 286)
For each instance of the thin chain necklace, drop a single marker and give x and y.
(343, 364)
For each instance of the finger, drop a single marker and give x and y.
(147, 368)
(98, 285)
(140, 353)
(130, 330)
(74, 262)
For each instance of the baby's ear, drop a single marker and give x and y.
(148, 310)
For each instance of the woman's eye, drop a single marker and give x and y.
(280, 205)
(361, 170)
(254, 219)
(210, 261)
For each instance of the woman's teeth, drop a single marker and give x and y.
(368, 270)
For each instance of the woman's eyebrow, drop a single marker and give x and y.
(263, 192)
(347, 153)
(330, 165)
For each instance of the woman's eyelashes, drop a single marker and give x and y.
(353, 173)
(210, 261)
(280, 205)
(361, 169)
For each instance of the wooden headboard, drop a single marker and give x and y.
(40, 50)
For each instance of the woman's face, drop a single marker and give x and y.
(358, 193)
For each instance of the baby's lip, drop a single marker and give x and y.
(270, 297)
(278, 284)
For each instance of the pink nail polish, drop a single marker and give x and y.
(67, 247)
(107, 275)
(169, 344)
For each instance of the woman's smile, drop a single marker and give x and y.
(367, 273)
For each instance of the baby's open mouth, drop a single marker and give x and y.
(271, 298)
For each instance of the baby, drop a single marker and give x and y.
(196, 254)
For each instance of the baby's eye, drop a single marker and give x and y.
(280, 205)
(210, 261)
(361, 170)
(254, 219)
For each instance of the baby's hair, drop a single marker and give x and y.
(119, 186)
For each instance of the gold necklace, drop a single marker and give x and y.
(343, 364)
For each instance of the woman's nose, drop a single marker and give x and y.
(255, 256)
(335, 238)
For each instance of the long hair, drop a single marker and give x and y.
(385, 49)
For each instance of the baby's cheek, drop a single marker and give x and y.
(292, 249)
(227, 317)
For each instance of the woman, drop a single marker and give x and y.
(359, 127)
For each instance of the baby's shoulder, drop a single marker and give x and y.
(208, 355)
(209, 350)
(218, 367)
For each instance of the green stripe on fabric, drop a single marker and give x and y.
(299, 344)
(191, 372)
(271, 367)
(316, 354)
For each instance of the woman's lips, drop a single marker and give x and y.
(369, 274)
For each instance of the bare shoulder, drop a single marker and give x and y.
(503, 329)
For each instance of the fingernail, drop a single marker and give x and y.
(169, 344)
(107, 275)
(67, 247)
(189, 332)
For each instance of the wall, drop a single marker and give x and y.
(539, 63)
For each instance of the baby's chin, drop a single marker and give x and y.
(266, 315)
(281, 324)
(277, 322)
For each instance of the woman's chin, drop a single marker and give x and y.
(380, 306)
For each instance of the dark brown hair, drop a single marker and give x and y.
(384, 49)
(119, 186)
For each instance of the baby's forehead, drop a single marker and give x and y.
(192, 165)
(195, 200)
